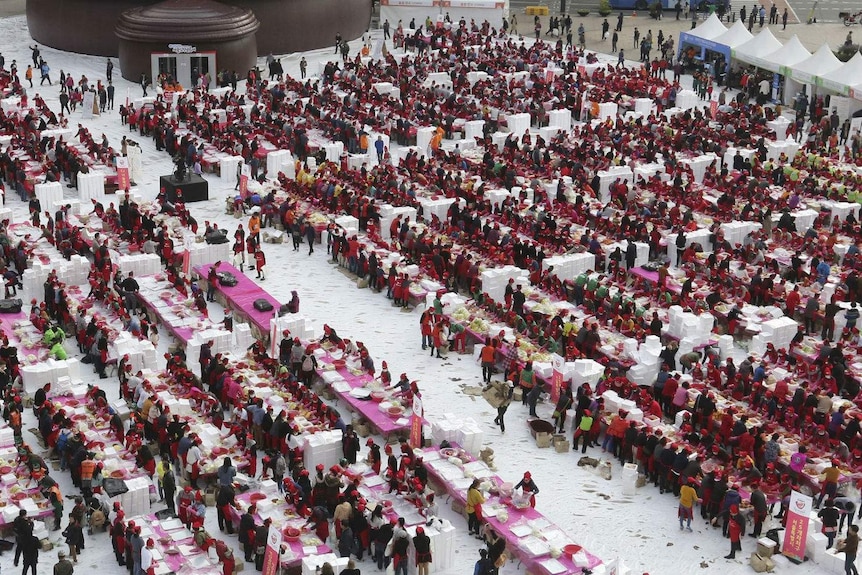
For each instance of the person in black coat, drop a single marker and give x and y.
(496, 549)
(30, 554)
(422, 545)
(23, 529)
(246, 533)
(346, 542)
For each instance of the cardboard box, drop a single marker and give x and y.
(361, 429)
(766, 547)
(46, 544)
(238, 566)
(563, 446)
(210, 496)
(458, 507)
(761, 564)
(518, 394)
(543, 439)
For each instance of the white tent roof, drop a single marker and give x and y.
(792, 53)
(842, 78)
(821, 62)
(737, 35)
(710, 29)
(759, 46)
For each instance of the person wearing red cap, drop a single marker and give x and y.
(148, 561)
(422, 546)
(118, 537)
(736, 529)
(528, 487)
(583, 431)
(687, 499)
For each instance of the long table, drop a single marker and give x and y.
(520, 526)
(342, 382)
(241, 297)
(175, 550)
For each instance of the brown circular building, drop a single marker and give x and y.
(87, 26)
(184, 39)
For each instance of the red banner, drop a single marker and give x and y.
(557, 362)
(123, 180)
(416, 423)
(796, 532)
(243, 181)
(273, 548)
(713, 107)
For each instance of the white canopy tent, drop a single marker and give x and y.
(841, 79)
(735, 36)
(753, 51)
(702, 36)
(780, 61)
(805, 72)
(821, 62)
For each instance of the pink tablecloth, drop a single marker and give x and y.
(242, 296)
(295, 546)
(516, 516)
(182, 334)
(368, 409)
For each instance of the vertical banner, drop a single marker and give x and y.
(273, 337)
(186, 262)
(87, 106)
(797, 526)
(243, 180)
(713, 107)
(273, 548)
(549, 75)
(123, 180)
(557, 362)
(416, 423)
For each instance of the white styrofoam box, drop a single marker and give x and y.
(348, 223)
(312, 563)
(48, 194)
(816, 545)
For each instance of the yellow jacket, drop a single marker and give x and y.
(474, 498)
(687, 496)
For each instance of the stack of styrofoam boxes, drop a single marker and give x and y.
(518, 124)
(494, 281)
(736, 231)
(136, 501)
(585, 371)
(121, 408)
(242, 332)
(48, 194)
(139, 264)
(630, 479)
(725, 346)
(276, 161)
(178, 406)
(142, 354)
(349, 224)
(49, 371)
(221, 338)
(496, 196)
(202, 253)
(311, 564)
(469, 436)
(389, 213)
(442, 535)
(609, 176)
(569, 266)
(611, 401)
(298, 325)
(561, 119)
(686, 325)
(7, 436)
(648, 364)
(779, 332)
(323, 447)
(444, 428)
(72, 272)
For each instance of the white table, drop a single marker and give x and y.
(220, 92)
(841, 209)
(382, 87)
(474, 77)
(65, 133)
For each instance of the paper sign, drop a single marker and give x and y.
(123, 181)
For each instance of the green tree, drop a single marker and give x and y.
(604, 7)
